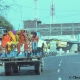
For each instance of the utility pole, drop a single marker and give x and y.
(51, 14)
(61, 29)
(73, 28)
(21, 17)
(35, 13)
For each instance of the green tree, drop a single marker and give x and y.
(5, 24)
(4, 6)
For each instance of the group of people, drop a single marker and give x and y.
(16, 39)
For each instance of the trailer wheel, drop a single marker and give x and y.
(37, 68)
(15, 68)
(19, 68)
(42, 69)
(7, 68)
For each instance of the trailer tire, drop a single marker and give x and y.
(15, 68)
(42, 69)
(37, 68)
(7, 68)
(19, 68)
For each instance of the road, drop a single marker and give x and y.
(65, 67)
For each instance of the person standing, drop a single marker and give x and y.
(28, 41)
(22, 42)
(34, 40)
(5, 39)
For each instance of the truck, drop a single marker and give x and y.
(13, 63)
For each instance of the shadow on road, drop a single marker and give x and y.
(21, 73)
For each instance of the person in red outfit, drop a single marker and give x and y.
(22, 40)
(5, 38)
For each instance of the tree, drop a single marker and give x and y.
(5, 6)
(5, 24)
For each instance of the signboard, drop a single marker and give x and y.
(62, 44)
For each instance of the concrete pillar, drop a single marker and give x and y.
(74, 48)
(53, 46)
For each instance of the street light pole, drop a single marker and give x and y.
(36, 25)
(21, 18)
(73, 28)
(50, 26)
(36, 12)
(61, 29)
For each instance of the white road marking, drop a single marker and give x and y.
(58, 70)
(59, 64)
(60, 61)
(59, 78)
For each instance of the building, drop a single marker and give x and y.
(52, 29)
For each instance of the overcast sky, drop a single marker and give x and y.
(66, 11)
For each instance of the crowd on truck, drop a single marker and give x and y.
(26, 41)
(12, 40)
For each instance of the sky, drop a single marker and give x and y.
(66, 11)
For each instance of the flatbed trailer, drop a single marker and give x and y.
(13, 63)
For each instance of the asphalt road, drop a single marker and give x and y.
(65, 67)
